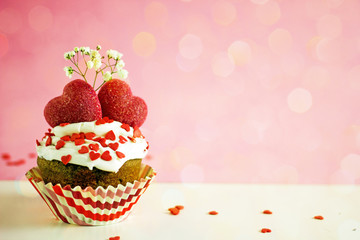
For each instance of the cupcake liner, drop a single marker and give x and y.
(91, 206)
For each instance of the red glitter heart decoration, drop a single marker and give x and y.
(118, 103)
(78, 103)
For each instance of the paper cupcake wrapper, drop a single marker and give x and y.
(88, 206)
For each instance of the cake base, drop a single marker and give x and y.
(74, 175)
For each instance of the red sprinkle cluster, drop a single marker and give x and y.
(176, 210)
(92, 149)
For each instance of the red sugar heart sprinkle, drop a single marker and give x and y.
(267, 212)
(66, 159)
(110, 135)
(122, 139)
(100, 121)
(174, 211)
(180, 207)
(75, 136)
(102, 141)
(106, 156)
(94, 147)
(37, 143)
(115, 238)
(132, 139)
(59, 144)
(79, 142)
(48, 141)
(147, 147)
(66, 138)
(213, 213)
(83, 149)
(120, 154)
(125, 127)
(137, 132)
(93, 155)
(90, 135)
(63, 124)
(16, 163)
(265, 230)
(5, 156)
(114, 146)
(319, 217)
(50, 134)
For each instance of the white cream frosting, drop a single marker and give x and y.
(131, 149)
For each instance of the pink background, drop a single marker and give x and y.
(259, 91)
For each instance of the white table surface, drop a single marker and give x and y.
(24, 215)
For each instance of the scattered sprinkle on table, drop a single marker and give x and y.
(114, 238)
(174, 211)
(213, 213)
(265, 230)
(267, 212)
(319, 217)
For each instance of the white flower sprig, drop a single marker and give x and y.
(112, 63)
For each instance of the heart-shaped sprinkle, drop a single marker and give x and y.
(122, 139)
(132, 139)
(125, 127)
(114, 146)
(110, 135)
(94, 147)
(66, 138)
(78, 103)
(102, 141)
(106, 156)
(90, 135)
(94, 155)
(38, 143)
(75, 136)
(59, 144)
(100, 121)
(120, 154)
(63, 124)
(137, 132)
(48, 141)
(79, 142)
(66, 159)
(83, 149)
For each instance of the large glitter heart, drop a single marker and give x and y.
(78, 103)
(118, 103)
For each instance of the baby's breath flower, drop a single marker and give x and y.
(76, 49)
(118, 55)
(107, 76)
(69, 71)
(94, 54)
(98, 47)
(97, 63)
(67, 55)
(123, 74)
(120, 65)
(72, 53)
(90, 64)
(85, 50)
(111, 53)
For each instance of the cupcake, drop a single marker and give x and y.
(89, 166)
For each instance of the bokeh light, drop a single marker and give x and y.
(329, 26)
(351, 164)
(240, 52)
(156, 14)
(190, 46)
(222, 65)
(144, 44)
(299, 100)
(280, 41)
(268, 13)
(192, 173)
(40, 18)
(259, 1)
(186, 64)
(223, 13)
(316, 77)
